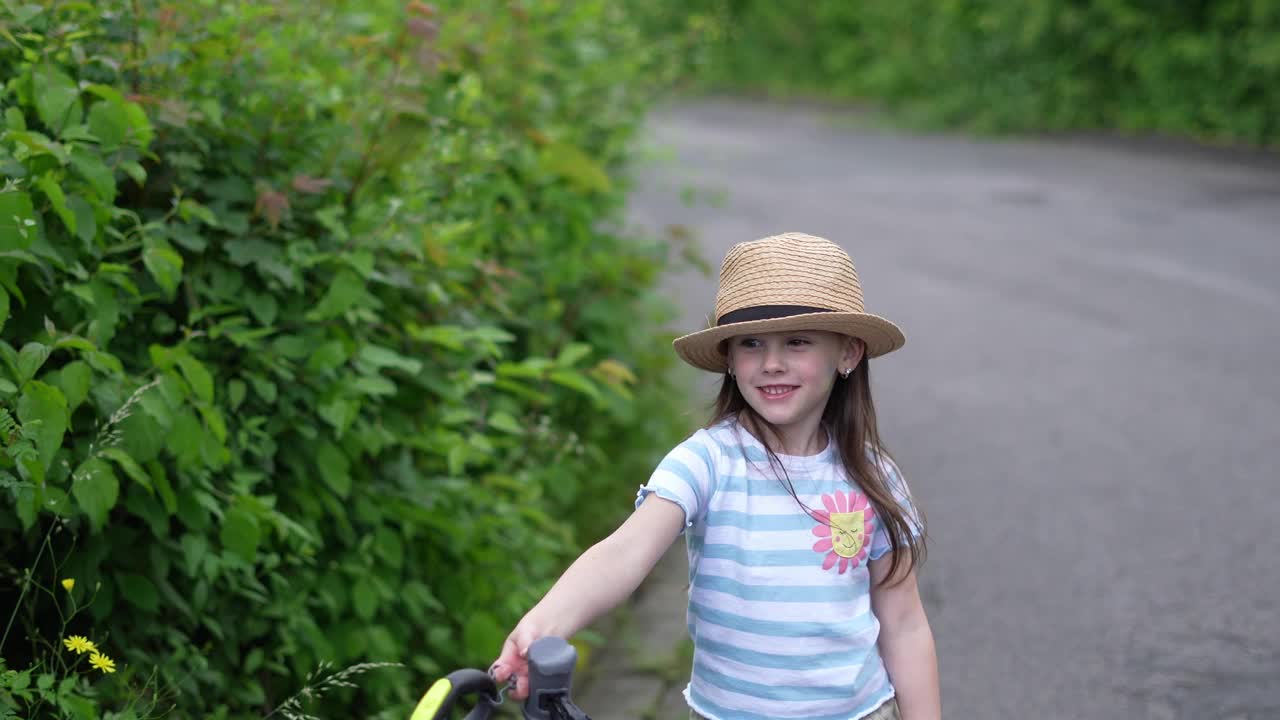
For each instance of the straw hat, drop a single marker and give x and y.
(786, 282)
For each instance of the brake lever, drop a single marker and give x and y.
(562, 708)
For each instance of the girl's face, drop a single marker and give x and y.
(787, 376)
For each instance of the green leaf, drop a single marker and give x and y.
(135, 171)
(74, 380)
(104, 312)
(28, 501)
(10, 358)
(364, 600)
(142, 436)
(185, 438)
(108, 123)
(331, 219)
(197, 375)
(30, 359)
(79, 708)
(105, 92)
(456, 459)
(161, 482)
(389, 546)
(67, 685)
(379, 357)
(128, 465)
(334, 468)
(98, 175)
(503, 421)
(139, 124)
(482, 636)
(19, 681)
(346, 290)
(575, 381)
(86, 221)
(294, 347)
(240, 532)
(38, 144)
(576, 167)
(74, 342)
(327, 357)
(520, 390)
(339, 413)
(138, 591)
(263, 306)
(531, 368)
(362, 261)
(45, 409)
(53, 191)
(14, 119)
(165, 266)
(236, 390)
(58, 501)
(450, 337)
(57, 97)
(95, 489)
(374, 385)
(267, 258)
(572, 353)
(18, 225)
(213, 420)
(163, 357)
(189, 208)
(263, 388)
(253, 660)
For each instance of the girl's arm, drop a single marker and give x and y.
(600, 579)
(906, 643)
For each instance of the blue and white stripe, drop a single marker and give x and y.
(775, 635)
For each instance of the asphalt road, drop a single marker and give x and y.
(1088, 403)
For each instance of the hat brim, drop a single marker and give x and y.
(702, 349)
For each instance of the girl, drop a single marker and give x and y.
(803, 540)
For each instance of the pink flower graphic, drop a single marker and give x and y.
(844, 528)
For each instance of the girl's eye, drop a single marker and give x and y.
(799, 341)
(748, 342)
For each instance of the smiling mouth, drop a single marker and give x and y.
(777, 391)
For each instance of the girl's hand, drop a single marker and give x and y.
(514, 660)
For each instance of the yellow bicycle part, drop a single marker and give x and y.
(438, 703)
(431, 702)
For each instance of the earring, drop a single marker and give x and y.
(845, 374)
(730, 372)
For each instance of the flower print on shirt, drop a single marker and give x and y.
(845, 529)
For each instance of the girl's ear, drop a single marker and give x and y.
(853, 352)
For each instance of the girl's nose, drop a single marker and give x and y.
(773, 360)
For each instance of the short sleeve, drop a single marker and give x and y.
(686, 476)
(898, 486)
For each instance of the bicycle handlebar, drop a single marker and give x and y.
(551, 662)
(438, 702)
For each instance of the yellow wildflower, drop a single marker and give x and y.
(79, 644)
(102, 662)
(69, 583)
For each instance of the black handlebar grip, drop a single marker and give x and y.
(438, 703)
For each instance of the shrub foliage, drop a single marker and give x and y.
(319, 336)
(1206, 68)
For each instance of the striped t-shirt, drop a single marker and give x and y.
(779, 603)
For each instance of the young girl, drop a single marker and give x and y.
(803, 540)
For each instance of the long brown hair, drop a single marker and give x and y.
(850, 418)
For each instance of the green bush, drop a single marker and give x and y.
(319, 335)
(1207, 69)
